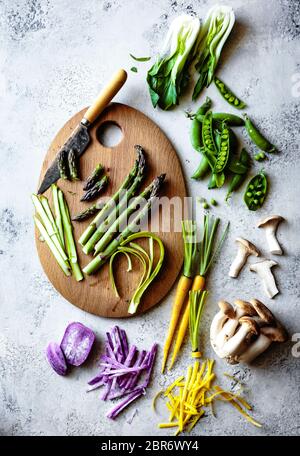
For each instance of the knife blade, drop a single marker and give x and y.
(80, 137)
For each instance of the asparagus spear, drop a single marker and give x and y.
(88, 212)
(96, 190)
(58, 219)
(70, 244)
(62, 164)
(119, 209)
(94, 177)
(123, 218)
(72, 162)
(48, 226)
(52, 246)
(133, 227)
(110, 205)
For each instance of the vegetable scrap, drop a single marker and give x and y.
(189, 397)
(57, 231)
(140, 59)
(146, 260)
(125, 372)
(73, 350)
(134, 69)
(240, 334)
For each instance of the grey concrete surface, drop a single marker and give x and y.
(54, 57)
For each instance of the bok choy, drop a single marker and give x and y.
(212, 37)
(169, 75)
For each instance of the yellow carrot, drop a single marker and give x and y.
(185, 282)
(198, 285)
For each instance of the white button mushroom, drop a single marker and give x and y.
(245, 249)
(263, 269)
(270, 225)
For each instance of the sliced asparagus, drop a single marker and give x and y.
(58, 219)
(88, 212)
(110, 205)
(123, 218)
(68, 230)
(48, 226)
(94, 177)
(96, 190)
(117, 212)
(133, 227)
(62, 164)
(52, 246)
(72, 162)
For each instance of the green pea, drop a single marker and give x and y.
(205, 205)
(213, 202)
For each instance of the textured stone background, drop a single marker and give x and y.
(54, 57)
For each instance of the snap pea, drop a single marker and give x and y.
(218, 117)
(208, 136)
(239, 167)
(202, 169)
(256, 191)
(259, 140)
(216, 180)
(196, 126)
(228, 95)
(223, 152)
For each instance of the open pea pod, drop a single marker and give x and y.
(223, 150)
(256, 191)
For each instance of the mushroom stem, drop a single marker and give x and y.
(263, 269)
(258, 347)
(273, 244)
(238, 263)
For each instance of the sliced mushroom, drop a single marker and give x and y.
(270, 225)
(245, 249)
(241, 338)
(263, 269)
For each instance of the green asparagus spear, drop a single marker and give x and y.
(133, 227)
(123, 218)
(88, 212)
(111, 204)
(72, 162)
(96, 190)
(118, 209)
(58, 218)
(62, 164)
(94, 177)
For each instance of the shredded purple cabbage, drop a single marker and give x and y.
(124, 372)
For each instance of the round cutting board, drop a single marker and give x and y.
(94, 294)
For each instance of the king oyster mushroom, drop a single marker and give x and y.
(270, 225)
(263, 269)
(245, 249)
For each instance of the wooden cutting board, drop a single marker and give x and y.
(94, 294)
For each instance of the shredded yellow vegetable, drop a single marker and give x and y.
(196, 354)
(187, 397)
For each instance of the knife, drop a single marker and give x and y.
(80, 137)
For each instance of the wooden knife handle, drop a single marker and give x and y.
(106, 95)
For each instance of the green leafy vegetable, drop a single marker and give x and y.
(212, 37)
(140, 59)
(168, 76)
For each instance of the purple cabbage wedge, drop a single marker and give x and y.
(56, 359)
(77, 343)
(124, 371)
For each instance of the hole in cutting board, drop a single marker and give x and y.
(109, 134)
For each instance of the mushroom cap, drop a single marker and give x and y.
(245, 306)
(248, 246)
(252, 325)
(275, 334)
(264, 313)
(227, 309)
(266, 262)
(271, 219)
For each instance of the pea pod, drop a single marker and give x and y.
(196, 127)
(208, 136)
(256, 191)
(216, 180)
(259, 140)
(228, 95)
(223, 152)
(202, 169)
(231, 119)
(240, 170)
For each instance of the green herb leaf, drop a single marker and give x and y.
(140, 59)
(134, 69)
